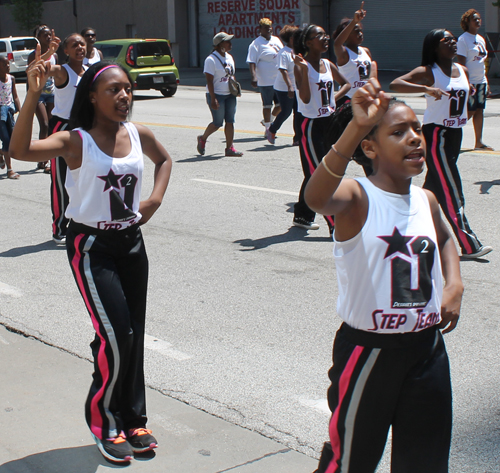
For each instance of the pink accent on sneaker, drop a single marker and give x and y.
(233, 152)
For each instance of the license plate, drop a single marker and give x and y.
(158, 80)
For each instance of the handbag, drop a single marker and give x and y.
(234, 85)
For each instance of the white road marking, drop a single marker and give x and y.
(12, 291)
(165, 348)
(230, 184)
(320, 405)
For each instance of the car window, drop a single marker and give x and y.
(3, 47)
(152, 48)
(109, 51)
(23, 44)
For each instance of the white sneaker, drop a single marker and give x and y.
(484, 250)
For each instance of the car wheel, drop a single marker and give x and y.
(168, 92)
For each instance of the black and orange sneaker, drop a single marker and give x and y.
(141, 440)
(115, 449)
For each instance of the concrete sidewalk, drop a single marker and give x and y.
(42, 394)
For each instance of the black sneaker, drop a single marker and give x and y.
(484, 250)
(115, 449)
(303, 223)
(141, 440)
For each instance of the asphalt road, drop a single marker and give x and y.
(241, 314)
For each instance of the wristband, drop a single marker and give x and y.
(329, 171)
(340, 154)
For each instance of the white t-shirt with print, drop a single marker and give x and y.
(264, 55)
(473, 48)
(214, 67)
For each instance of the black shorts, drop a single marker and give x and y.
(478, 100)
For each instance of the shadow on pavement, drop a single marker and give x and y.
(26, 250)
(487, 185)
(78, 459)
(292, 234)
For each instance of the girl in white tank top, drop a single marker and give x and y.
(316, 98)
(391, 250)
(353, 60)
(104, 241)
(446, 87)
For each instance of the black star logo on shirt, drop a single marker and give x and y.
(453, 93)
(111, 180)
(397, 243)
(321, 84)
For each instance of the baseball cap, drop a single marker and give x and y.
(220, 37)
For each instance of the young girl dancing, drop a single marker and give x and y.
(446, 86)
(104, 242)
(314, 78)
(353, 60)
(392, 251)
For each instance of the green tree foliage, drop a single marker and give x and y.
(27, 14)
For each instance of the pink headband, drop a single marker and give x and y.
(102, 70)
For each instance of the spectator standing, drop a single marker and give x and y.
(284, 85)
(219, 66)
(472, 53)
(9, 105)
(263, 65)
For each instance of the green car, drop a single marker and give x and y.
(148, 61)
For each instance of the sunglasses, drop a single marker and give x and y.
(448, 39)
(90, 35)
(322, 36)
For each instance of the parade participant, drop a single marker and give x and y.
(219, 66)
(105, 248)
(93, 55)
(262, 62)
(315, 78)
(353, 60)
(44, 108)
(446, 86)
(284, 85)
(390, 366)
(9, 105)
(472, 53)
(66, 79)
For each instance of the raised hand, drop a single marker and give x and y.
(38, 72)
(299, 61)
(360, 14)
(54, 43)
(369, 103)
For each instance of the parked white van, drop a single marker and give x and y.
(17, 49)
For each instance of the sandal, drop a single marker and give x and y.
(12, 175)
(2, 162)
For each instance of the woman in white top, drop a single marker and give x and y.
(353, 60)
(93, 54)
(219, 67)
(471, 49)
(284, 84)
(446, 86)
(315, 79)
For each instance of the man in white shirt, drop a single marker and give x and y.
(262, 61)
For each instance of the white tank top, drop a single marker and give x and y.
(450, 111)
(322, 103)
(6, 91)
(95, 58)
(49, 86)
(389, 275)
(356, 70)
(64, 96)
(105, 192)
